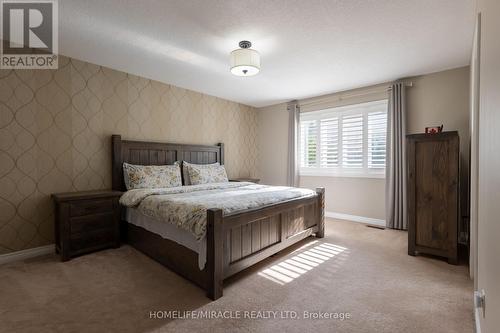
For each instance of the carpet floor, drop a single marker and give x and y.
(359, 277)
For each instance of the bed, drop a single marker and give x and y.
(233, 241)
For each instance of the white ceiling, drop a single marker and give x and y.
(308, 47)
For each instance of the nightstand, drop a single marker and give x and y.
(86, 221)
(245, 179)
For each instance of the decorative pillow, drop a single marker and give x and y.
(207, 174)
(151, 176)
(185, 170)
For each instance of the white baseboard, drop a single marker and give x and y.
(355, 218)
(27, 254)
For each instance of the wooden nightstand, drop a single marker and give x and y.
(86, 221)
(248, 179)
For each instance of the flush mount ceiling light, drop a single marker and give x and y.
(245, 61)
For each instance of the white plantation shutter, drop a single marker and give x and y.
(344, 141)
(329, 142)
(377, 130)
(308, 144)
(352, 141)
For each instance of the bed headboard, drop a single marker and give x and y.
(157, 153)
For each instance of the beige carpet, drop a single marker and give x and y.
(354, 270)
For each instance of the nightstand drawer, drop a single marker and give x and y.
(88, 223)
(88, 207)
(92, 241)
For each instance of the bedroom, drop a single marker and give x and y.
(249, 166)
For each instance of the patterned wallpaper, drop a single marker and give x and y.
(55, 128)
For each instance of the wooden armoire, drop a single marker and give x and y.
(433, 194)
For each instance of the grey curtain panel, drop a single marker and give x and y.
(395, 182)
(293, 140)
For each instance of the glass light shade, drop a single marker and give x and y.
(245, 62)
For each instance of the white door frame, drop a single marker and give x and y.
(474, 148)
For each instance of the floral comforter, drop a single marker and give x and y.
(186, 206)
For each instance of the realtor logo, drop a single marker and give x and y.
(29, 32)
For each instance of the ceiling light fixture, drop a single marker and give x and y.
(245, 61)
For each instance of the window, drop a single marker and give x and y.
(344, 141)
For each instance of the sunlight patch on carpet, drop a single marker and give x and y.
(306, 258)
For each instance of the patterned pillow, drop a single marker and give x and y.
(151, 176)
(185, 170)
(207, 174)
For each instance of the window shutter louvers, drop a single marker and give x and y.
(329, 142)
(347, 140)
(377, 130)
(309, 138)
(352, 141)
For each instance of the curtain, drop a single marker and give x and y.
(293, 133)
(396, 213)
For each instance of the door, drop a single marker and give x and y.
(488, 189)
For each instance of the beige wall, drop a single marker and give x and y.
(55, 129)
(434, 99)
(443, 98)
(353, 196)
(273, 144)
(440, 98)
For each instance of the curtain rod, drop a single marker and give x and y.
(406, 84)
(340, 96)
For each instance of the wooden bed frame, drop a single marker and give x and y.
(234, 241)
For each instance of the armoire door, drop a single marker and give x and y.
(433, 194)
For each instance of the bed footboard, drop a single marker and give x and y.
(237, 241)
(215, 251)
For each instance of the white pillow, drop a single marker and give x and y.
(151, 176)
(185, 170)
